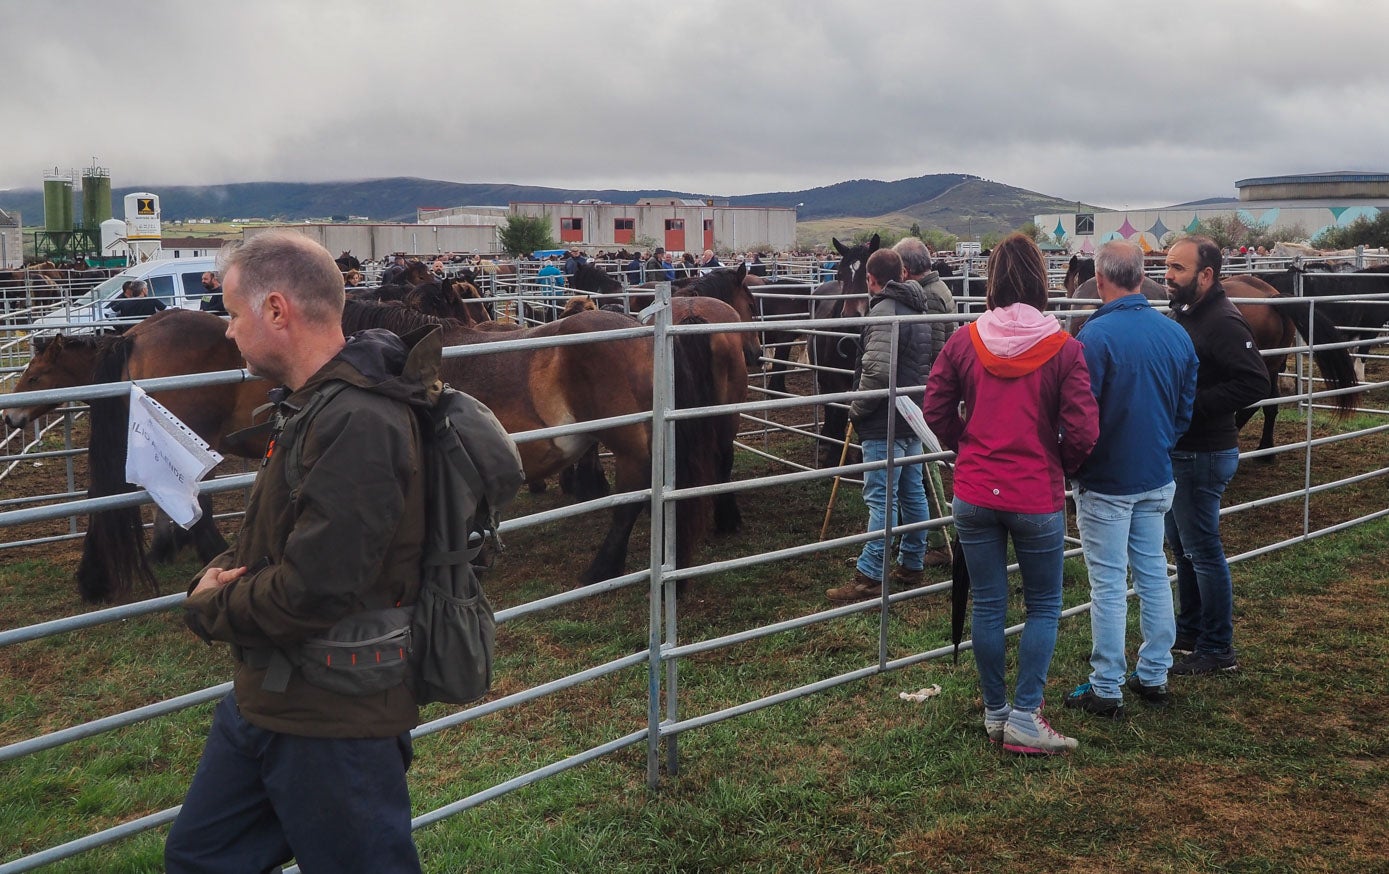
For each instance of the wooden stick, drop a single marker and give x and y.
(834, 490)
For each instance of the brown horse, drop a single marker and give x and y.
(169, 343)
(542, 388)
(1276, 327)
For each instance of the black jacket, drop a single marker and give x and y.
(1232, 375)
(135, 307)
(915, 354)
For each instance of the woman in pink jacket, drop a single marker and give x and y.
(1028, 420)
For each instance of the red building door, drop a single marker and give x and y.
(675, 235)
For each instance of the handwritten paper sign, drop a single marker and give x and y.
(166, 458)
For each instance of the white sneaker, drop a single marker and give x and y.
(1031, 735)
(993, 725)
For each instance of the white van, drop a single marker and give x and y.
(176, 281)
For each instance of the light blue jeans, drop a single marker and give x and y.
(1121, 533)
(910, 496)
(1039, 544)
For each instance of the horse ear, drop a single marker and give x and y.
(838, 246)
(742, 272)
(1075, 259)
(874, 243)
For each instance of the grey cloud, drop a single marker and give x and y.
(1138, 106)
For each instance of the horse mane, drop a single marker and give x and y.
(359, 315)
(113, 550)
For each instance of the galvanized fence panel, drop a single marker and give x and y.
(664, 649)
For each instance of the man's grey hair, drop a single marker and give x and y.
(292, 264)
(1121, 264)
(138, 287)
(916, 258)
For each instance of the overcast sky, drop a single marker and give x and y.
(1153, 103)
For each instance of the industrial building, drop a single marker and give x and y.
(679, 225)
(11, 240)
(368, 241)
(1311, 203)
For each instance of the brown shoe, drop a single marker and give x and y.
(938, 557)
(905, 576)
(857, 589)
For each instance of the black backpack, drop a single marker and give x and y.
(442, 644)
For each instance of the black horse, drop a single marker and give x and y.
(1356, 318)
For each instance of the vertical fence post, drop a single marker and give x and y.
(662, 447)
(890, 517)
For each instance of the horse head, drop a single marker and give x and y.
(1078, 270)
(58, 362)
(594, 279)
(853, 276)
(577, 304)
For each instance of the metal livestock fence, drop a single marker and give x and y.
(665, 650)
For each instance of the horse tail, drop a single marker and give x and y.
(1337, 366)
(697, 450)
(113, 551)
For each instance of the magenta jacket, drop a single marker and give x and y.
(1029, 416)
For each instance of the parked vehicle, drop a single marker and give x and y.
(175, 281)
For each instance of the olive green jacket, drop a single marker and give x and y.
(350, 540)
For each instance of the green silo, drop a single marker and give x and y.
(57, 204)
(96, 197)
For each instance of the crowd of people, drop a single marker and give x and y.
(1137, 412)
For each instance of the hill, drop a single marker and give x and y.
(965, 205)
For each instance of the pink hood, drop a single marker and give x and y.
(1012, 330)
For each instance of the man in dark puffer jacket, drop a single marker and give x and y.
(890, 297)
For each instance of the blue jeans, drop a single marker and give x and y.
(910, 496)
(1119, 533)
(260, 797)
(1039, 544)
(1205, 595)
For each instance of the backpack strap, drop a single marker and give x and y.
(448, 445)
(290, 436)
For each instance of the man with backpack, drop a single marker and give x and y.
(291, 768)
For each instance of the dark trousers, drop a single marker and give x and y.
(260, 797)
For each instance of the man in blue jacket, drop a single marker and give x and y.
(1143, 370)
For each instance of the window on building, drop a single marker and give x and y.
(675, 224)
(624, 230)
(1085, 224)
(571, 230)
(708, 225)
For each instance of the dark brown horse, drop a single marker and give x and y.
(1276, 327)
(839, 353)
(724, 284)
(541, 388)
(449, 298)
(775, 300)
(169, 343)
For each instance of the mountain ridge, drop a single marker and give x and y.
(960, 203)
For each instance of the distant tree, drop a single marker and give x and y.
(523, 234)
(1037, 234)
(645, 243)
(915, 230)
(990, 239)
(939, 240)
(1227, 231)
(887, 237)
(1361, 232)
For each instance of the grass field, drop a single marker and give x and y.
(1283, 766)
